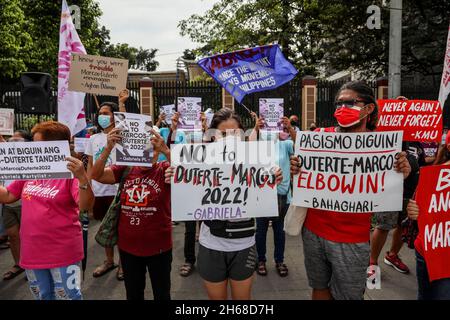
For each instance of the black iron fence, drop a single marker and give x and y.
(291, 92)
(166, 92)
(10, 98)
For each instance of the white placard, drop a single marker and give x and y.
(6, 122)
(34, 160)
(348, 172)
(225, 180)
(80, 144)
(135, 149)
(189, 109)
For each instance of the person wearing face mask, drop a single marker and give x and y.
(294, 122)
(104, 193)
(336, 244)
(284, 149)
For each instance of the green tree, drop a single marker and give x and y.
(322, 36)
(189, 54)
(15, 42)
(145, 59)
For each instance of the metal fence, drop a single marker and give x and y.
(166, 92)
(291, 92)
(10, 98)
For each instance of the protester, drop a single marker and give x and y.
(386, 221)
(284, 149)
(11, 218)
(51, 245)
(144, 240)
(104, 193)
(162, 123)
(295, 122)
(312, 126)
(438, 289)
(227, 260)
(336, 244)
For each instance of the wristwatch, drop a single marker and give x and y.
(83, 186)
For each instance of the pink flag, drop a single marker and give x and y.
(445, 82)
(70, 103)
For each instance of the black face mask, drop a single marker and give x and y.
(294, 123)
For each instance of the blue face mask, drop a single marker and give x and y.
(104, 121)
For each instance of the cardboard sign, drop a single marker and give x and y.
(169, 111)
(98, 75)
(271, 110)
(224, 180)
(135, 149)
(80, 144)
(420, 120)
(433, 199)
(348, 172)
(189, 109)
(6, 122)
(34, 160)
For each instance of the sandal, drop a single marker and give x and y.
(282, 269)
(12, 274)
(186, 269)
(104, 269)
(262, 271)
(119, 274)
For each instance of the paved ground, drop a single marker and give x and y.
(394, 285)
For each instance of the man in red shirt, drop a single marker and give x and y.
(336, 245)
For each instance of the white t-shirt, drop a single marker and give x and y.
(212, 242)
(94, 148)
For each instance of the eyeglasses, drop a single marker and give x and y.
(347, 103)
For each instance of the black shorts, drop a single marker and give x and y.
(218, 266)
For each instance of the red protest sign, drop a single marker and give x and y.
(420, 120)
(433, 199)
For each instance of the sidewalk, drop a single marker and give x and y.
(294, 287)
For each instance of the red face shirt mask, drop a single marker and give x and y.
(347, 117)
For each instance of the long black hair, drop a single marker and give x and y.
(365, 93)
(225, 114)
(112, 106)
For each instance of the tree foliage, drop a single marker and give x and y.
(322, 36)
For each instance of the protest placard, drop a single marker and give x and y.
(209, 114)
(98, 75)
(34, 160)
(135, 148)
(169, 110)
(224, 180)
(420, 120)
(80, 144)
(6, 122)
(348, 172)
(271, 110)
(433, 199)
(190, 109)
(250, 70)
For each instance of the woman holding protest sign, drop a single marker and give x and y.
(51, 246)
(285, 148)
(144, 224)
(336, 245)
(227, 252)
(437, 289)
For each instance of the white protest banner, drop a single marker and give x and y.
(224, 180)
(444, 89)
(169, 111)
(271, 110)
(135, 149)
(189, 109)
(98, 75)
(6, 122)
(348, 172)
(80, 144)
(34, 160)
